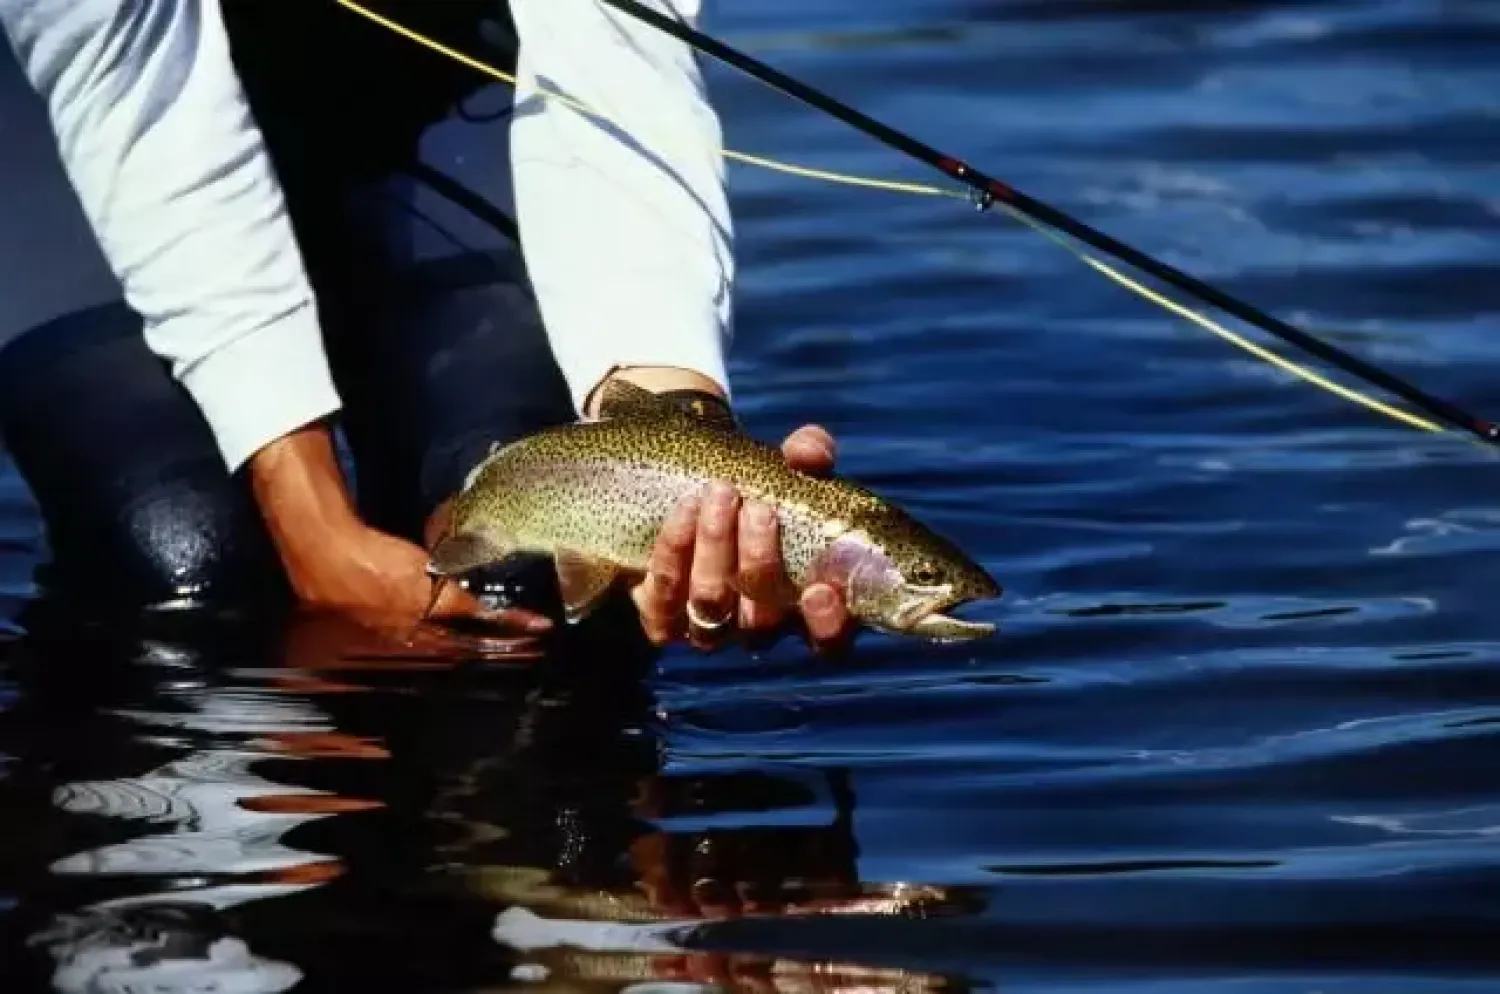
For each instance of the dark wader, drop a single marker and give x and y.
(436, 344)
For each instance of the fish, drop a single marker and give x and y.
(594, 494)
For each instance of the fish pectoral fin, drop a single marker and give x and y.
(455, 555)
(619, 399)
(583, 581)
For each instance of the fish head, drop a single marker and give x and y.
(902, 578)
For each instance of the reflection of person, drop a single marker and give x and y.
(214, 841)
(159, 945)
(272, 283)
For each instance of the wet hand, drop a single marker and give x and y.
(717, 569)
(335, 562)
(381, 582)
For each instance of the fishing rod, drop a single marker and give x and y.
(987, 190)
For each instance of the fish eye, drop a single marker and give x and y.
(926, 575)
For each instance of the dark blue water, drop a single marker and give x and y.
(1241, 733)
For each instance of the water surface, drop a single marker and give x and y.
(1241, 731)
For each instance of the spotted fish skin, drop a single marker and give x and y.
(600, 491)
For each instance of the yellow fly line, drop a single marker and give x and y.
(923, 189)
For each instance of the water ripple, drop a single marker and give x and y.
(1238, 731)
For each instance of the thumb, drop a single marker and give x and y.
(810, 449)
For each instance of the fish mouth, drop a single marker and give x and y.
(940, 627)
(931, 621)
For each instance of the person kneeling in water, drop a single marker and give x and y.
(216, 238)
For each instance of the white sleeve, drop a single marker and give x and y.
(158, 140)
(624, 217)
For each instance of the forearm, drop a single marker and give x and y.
(625, 219)
(300, 489)
(158, 141)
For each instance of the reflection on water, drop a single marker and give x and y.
(245, 822)
(1239, 732)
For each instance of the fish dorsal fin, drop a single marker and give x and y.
(619, 399)
(583, 581)
(455, 555)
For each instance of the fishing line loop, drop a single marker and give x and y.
(984, 192)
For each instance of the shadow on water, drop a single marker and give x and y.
(1239, 733)
(199, 803)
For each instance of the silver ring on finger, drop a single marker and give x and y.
(702, 624)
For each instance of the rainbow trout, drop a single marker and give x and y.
(595, 494)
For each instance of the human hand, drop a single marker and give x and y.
(381, 582)
(338, 564)
(722, 555)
